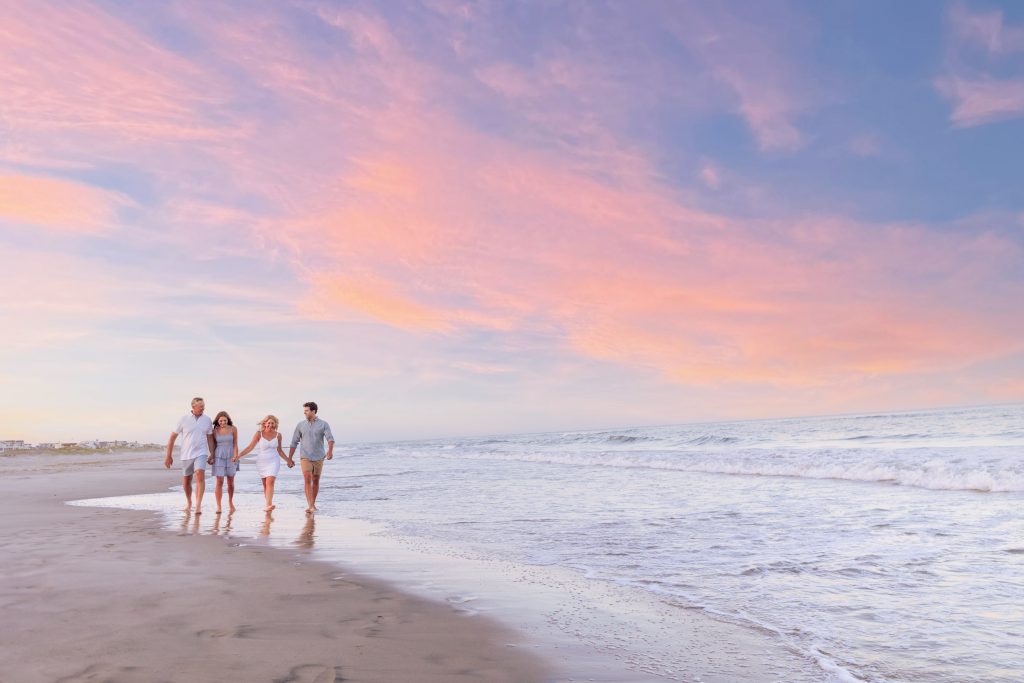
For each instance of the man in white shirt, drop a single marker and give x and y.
(195, 430)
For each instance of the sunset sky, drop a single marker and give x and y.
(446, 217)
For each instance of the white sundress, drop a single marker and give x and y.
(268, 462)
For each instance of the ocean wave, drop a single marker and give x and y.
(895, 437)
(932, 475)
(709, 439)
(626, 438)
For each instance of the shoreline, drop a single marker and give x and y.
(105, 594)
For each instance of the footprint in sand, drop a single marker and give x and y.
(312, 673)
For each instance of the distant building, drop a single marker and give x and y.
(11, 444)
(69, 444)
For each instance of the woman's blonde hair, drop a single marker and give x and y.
(277, 423)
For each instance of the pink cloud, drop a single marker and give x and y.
(59, 204)
(58, 300)
(710, 176)
(435, 227)
(375, 298)
(387, 205)
(508, 80)
(70, 67)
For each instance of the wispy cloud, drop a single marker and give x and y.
(865, 145)
(981, 94)
(756, 66)
(71, 67)
(985, 29)
(980, 100)
(59, 204)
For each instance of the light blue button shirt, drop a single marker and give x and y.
(312, 436)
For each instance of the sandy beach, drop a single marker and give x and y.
(92, 594)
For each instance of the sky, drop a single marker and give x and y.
(448, 218)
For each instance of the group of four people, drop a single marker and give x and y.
(215, 442)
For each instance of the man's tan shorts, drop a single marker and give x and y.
(313, 466)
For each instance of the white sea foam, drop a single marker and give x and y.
(837, 535)
(928, 469)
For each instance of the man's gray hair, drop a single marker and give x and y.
(198, 399)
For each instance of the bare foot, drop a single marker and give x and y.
(231, 508)
(217, 512)
(198, 511)
(269, 508)
(309, 511)
(187, 508)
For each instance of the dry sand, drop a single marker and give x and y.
(99, 594)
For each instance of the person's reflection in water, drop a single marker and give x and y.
(227, 525)
(184, 523)
(265, 529)
(306, 536)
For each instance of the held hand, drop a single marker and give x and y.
(209, 461)
(291, 463)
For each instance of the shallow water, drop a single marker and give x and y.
(876, 548)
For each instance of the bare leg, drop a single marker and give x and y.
(219, 492)
(314, 491)
(307, 482)
(186, 483)
(200, 488)
(268, 492)
(231, 494)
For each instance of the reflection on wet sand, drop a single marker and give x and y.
(265, 529)
(216, 528)
(194, 519)
(306, 536)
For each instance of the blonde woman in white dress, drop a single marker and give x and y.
(269, 454)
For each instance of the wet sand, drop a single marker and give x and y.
(99, 594)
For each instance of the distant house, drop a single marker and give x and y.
(69, 444)
(11, 444)
(47, 445)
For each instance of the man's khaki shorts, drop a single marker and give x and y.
(313, 466)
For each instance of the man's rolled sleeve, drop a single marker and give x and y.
(327, 432)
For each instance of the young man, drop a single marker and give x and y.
(311, 433)
(194, 428)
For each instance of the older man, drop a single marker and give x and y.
(311, 433)
(195, 430)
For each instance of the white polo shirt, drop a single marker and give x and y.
(193, 432)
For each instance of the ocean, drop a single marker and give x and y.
(881, 547)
